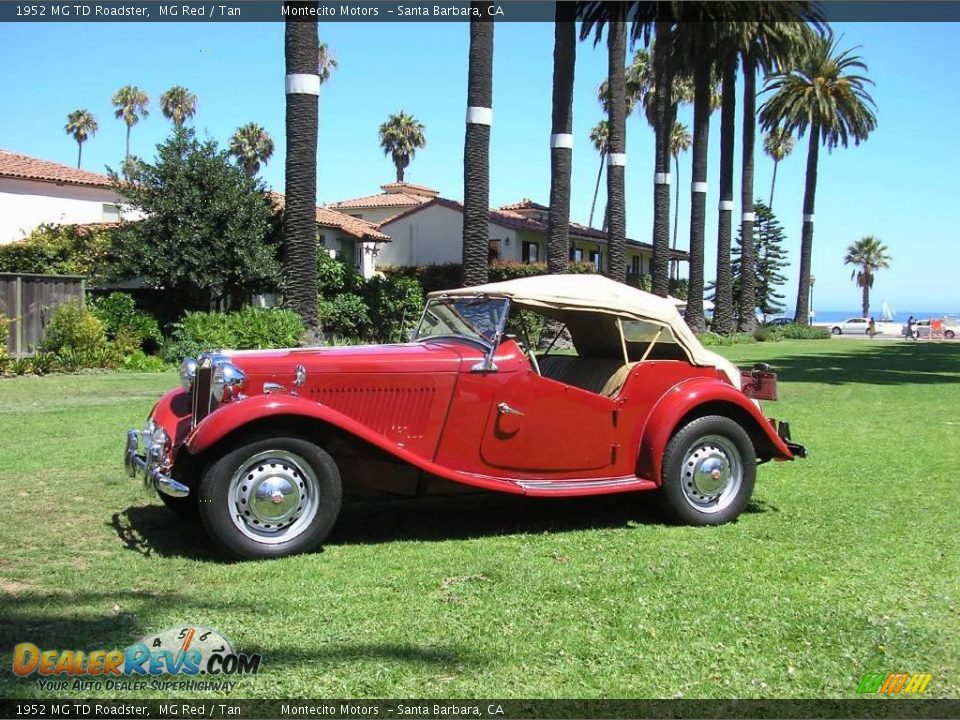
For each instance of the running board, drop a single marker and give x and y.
(570, 488)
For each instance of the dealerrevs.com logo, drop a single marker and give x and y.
(183, 651)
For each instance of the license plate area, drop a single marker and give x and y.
(759, 385)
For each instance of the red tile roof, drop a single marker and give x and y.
(410, 189)
(400, 195)
(360, 229)
(24, 167)
(525, 204)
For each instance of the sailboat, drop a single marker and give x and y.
(887, 313)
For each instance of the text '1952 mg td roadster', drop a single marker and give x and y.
(262, 445)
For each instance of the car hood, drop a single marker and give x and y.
(397, 358)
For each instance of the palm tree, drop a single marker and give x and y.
(301, 45)
(599, 136)
(826, 97)
(131, 105)
(326, 62)
(179, 105)
(561, 142)
(867, 255)
(252, 146)
(476, 151)
(680, 140)
(778, 144)
(400, 137)
(723, 294)
(82, 125)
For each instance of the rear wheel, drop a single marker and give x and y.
(709, 470)
(270, 497)
(949, 335)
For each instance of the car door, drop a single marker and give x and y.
(538, 425)
(855, 325)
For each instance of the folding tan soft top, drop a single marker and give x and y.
(558, 295)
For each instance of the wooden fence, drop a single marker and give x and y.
(28, 302)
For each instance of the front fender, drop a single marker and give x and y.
(685, 398)
(233, 416)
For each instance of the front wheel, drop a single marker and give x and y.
(837, 331)
(709, 470)
(270, 497)
(949, 335)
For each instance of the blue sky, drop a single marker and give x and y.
(900, 185)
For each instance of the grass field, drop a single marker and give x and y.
(845, 563)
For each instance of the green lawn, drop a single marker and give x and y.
(845, 563)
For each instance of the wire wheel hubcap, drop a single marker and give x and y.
(711, 474)
(273, 497)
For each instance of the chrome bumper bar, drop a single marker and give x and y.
(147, 466)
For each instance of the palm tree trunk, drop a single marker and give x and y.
(476, 152)
(674, 269)
(723, 305)
(866, 295)
(806, 235)
(596, 189)
(399, 167)
(300, 212)
(616, 143)
(127, 156)
(698, 188)
(79, 153)
(773, 184)
(561, 144)
(748, 297)
(663, 82)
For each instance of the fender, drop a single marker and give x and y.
(677, 403)
(236, 415)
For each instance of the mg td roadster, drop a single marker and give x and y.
(263, 445)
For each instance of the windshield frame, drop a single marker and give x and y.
(489, 345)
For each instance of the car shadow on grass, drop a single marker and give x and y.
(150, 530)
(901, 363)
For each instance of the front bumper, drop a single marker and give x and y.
(147, 465)
(783, 430)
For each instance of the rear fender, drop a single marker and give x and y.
(696, 398)
(233, 417)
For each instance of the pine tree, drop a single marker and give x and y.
(770, 257)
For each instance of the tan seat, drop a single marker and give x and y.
(602, 376)
(616, 381)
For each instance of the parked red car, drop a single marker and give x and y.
(263, 444)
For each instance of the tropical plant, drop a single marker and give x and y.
(768, 238)
(82, 125)
(868, 255)
(723, 323)
(400, 138)
(680, 141)
(131, 106)
(476, 151)
(301, 49)
(205, 232)
(825, 96)
(252, 146)
(178, 105)
(561, 142)
(599, 136)
(326, 62)
(777, 144)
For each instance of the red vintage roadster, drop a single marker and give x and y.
(262, 445)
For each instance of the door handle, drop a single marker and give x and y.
(505, 409)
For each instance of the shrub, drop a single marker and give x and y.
(248, 329)
(4, 336)
(73, 327)
(345, 315)
(708, 339)
(121, 319)
(765, 334)
(796, 331)
(335, 276)
(394, 304)
(679, 288)
(61, 250)
(141, 362)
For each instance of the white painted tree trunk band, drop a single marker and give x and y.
(661, 178)
(727, 205)
(616, 160)
(303, 84)
(698, 187)
(749, 217)
(479, 116)
(808, 217)
(561, 140)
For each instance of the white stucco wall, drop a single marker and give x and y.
(25, 204)
(434, 236)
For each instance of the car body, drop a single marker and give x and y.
(949, 328)
(851, 326)
(263, 444)
(779, 321)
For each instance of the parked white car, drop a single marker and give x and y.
(950, 328)
(856, 326)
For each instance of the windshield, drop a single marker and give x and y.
(478, 318)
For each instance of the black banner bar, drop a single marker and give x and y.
(442, 11)
(486, 709)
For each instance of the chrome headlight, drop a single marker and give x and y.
(188, 371)
(228, 380)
